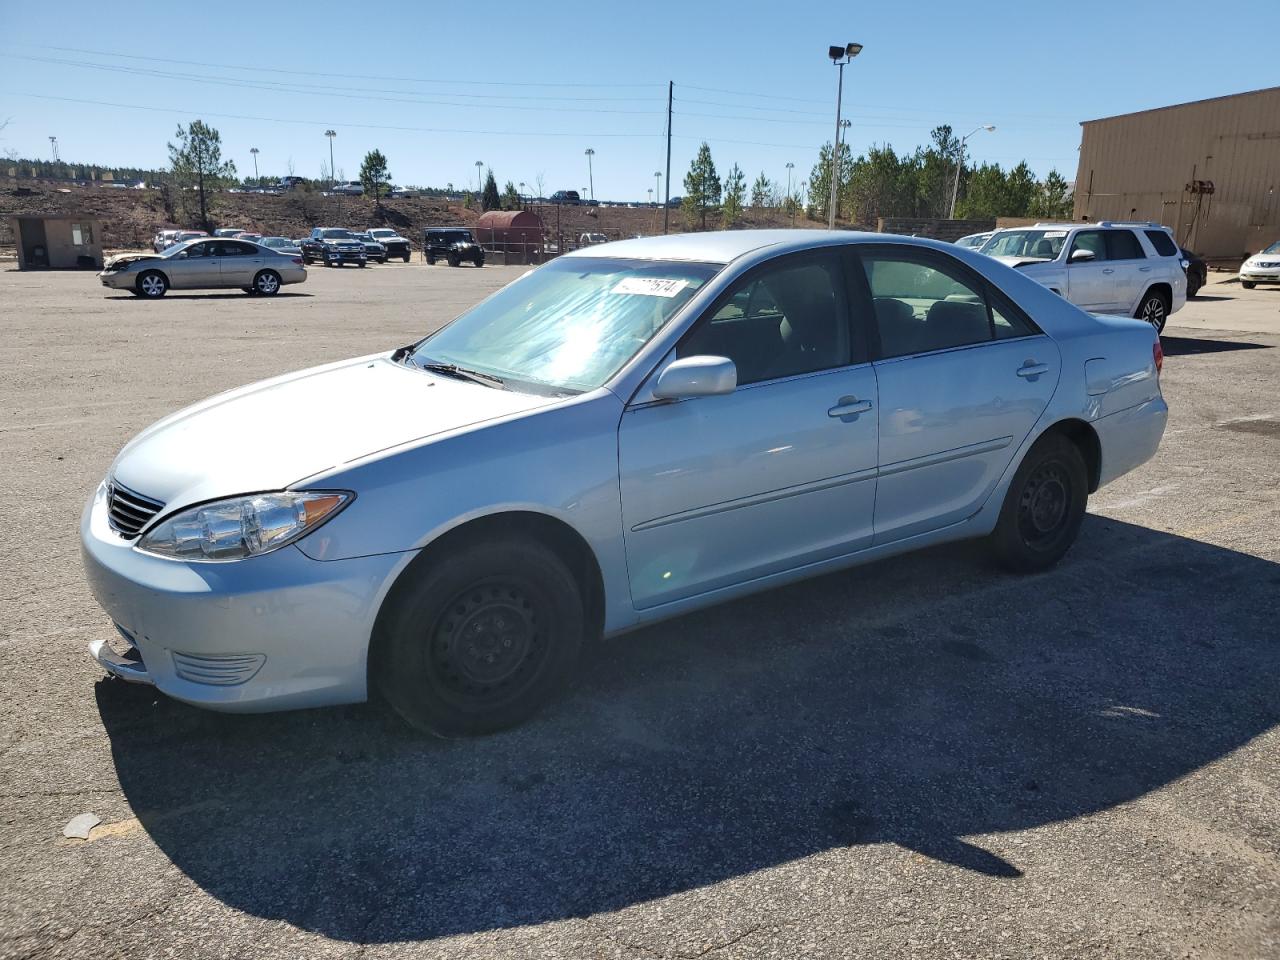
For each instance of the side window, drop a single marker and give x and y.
(781, 320)
(1123, 245)
(1162, 242)
(1091, 240)
(923, 304)
(230, 249)
(199, 250)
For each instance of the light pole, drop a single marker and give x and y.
(53, 142)
(591, 179)
(951, 214)
(651, 196)
(790, 166)
(657, 183)
(479, 186)
(331, 134)
(839, 56)
(254, 151)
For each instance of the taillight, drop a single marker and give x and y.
(1157, 354)
(298, 261)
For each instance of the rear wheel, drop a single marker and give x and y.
(1044, 507)
(267, 283)
(479, 261)
(479, 643)
(1154, 309)
(152, 285)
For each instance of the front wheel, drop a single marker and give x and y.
(1248, 284)
(267, 283)
(1154, 309)
(454, 261)
(479, 261)
(405, 257)
(479, 643)
(152, 285)
(363, 263)
(1044, 507)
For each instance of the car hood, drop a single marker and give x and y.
(270, 435)
(124, 259)
(1020, 261)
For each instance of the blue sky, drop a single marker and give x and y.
(421, 82)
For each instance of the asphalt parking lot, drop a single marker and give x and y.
(919, 758)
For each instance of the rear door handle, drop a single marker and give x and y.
(849, 407)
(1144, 269)
(1031, 369)
(1108, 270)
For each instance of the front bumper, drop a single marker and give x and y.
(119, 280)
(276, 632)
(1260, 274)
(344, 256)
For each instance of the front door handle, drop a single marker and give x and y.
(1108, 270)
(849, 407)
(1031, 369)
(1144, 269)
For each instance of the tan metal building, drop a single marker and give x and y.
(57, 241)
(1209, 169)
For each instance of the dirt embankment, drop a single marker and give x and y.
(130, 218)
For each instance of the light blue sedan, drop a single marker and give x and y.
(630, 432)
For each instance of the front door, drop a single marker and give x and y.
(196, 267)
(1091, 284)
(963, 377)
(781, 472)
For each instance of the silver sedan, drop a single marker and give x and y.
(628, 433)
(205, 264)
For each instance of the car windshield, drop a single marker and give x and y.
(382, 233)
(336, 234)
(1046, 244)
(177, 248)
(452, 236)
(1274, 248)
(569, 325)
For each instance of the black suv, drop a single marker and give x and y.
(453, 244)
(567, 197)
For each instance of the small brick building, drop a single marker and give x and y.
(58, 241)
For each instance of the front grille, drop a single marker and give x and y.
(129, 512)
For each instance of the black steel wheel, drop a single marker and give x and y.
(479, 642)
(1044, 506)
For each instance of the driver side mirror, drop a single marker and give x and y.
(1079, 256)
(702, 376)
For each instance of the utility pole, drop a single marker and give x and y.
(666, 203)
(53, 142)
(591, 178)
(790, 166)
(254, 151)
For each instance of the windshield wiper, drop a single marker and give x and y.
(462, 373)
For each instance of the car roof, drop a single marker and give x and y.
(724, 246)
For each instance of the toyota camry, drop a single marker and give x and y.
(632, 431)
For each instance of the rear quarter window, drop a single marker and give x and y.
(1162, 242)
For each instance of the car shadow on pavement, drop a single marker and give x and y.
(923, 701)
(1188, 346)
(237, 295)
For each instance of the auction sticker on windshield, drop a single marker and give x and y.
(649, 286)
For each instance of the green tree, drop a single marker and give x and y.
(735, 192)
(761, 191)
(701, 186)
(196, 160)
(880, 184)
(820, 180)
(1053, 198)
(1020, 191)
(490, 200)
(374, 175)
(510, 196)
(985, 194)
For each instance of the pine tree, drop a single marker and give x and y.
(761, 191)
(197, 156)
(701, 186)
(1053, 200)
(735, 192)
(820, 180)
(374, 175)
(490, 200)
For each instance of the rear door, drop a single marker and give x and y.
(963, 376)
(1132, 269)
(238, 262)
(1091, 283)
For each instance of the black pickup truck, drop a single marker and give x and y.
(333, 246)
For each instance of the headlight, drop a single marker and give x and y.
(242, 527)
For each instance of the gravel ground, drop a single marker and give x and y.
(919, 758)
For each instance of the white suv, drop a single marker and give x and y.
(1134, 269)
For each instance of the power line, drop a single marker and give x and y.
(349, 76)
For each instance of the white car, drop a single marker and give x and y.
(1131, 269)
(163, 239)
(592, 239)
(1264, 267)
(974, 240)
(622, 435)
(352, 188)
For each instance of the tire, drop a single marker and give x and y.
(479, 261)
(1248, 284)
(363, 264)
(405, 257)
(1193, 287)
(454, 261)
(1043, 508)
(152, 285)
(1153, 308)
(478, 643)
(266, 283)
